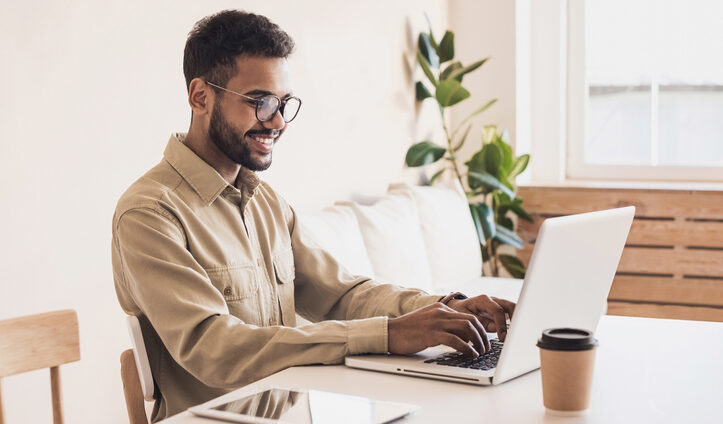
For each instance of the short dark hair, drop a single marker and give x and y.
(216, 40)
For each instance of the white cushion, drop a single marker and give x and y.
(335, 230)
(448, 231)
(391, 232)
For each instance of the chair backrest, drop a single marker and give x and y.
(45, 340)
(132, 389)
(143, 366)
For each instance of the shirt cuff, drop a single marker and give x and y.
(368, 335)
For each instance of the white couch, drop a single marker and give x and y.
(413, 236)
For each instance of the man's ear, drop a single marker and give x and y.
(200, 97)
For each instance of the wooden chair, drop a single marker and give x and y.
(138, 383)
(33, 342)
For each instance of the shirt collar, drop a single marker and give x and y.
(204, 179)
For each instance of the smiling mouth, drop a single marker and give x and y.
(263, 142)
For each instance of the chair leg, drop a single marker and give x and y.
(55, 392)
(2, 416)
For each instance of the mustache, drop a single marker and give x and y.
(266, 133)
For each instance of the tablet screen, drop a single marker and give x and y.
(306, 407)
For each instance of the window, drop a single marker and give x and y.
(645, 89)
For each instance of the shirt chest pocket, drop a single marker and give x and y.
(284, 272)
(240, 289)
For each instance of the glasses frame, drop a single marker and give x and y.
(257, 102)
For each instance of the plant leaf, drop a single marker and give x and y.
(484, 221)
(424, 153)
(508, 237)
(469, 68)
(436, 175)
(505, 222)
(513, 265)
(504, 180)
(463, 139)
(476, 163)
(507, 156)
(503, 199)
(476, 112)
(450, 92)
(449, 69)
(425, 67)
(519, 165)
(425, 47)
(431, 35)
(502, 211)
(422, 92)
(446, 47)
(485, 254)
(522, 213)
(500, 202)
(489, 132)
(484, 179)
(486, 160)
(493, 158)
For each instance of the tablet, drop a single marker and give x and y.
(292, 406)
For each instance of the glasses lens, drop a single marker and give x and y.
(291, 108)
(267, 107)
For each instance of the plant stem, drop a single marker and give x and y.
(450, 150)
(491, 251)
(493, 258)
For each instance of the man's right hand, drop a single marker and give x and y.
(434, 325)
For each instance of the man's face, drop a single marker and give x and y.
(233, 126)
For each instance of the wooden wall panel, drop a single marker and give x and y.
(694, 262)
(672, 265)
(676, 233)
(652, 310)
(661, 232)
(694, 291)
(696, 204)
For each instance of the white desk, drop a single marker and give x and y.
(646, 370)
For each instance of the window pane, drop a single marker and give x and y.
(618, 126)
(691, 127)
(655, 77)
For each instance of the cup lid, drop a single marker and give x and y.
(567, 339)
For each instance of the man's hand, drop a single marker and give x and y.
(456, 325)
(492, 312)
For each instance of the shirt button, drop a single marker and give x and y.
(227, 291)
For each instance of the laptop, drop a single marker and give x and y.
(566, 285)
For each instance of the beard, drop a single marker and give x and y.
(233, 143)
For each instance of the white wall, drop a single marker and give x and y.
(92, 91)
(486, 28)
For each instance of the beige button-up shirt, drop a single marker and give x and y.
(217, 272)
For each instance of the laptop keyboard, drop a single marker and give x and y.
(486, 361)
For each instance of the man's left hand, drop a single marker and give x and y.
(492, 312)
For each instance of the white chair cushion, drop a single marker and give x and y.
(448, 231)
(335, 229)
(391, 232)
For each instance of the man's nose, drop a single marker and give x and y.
(275, 123)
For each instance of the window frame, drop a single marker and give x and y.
(577, 93)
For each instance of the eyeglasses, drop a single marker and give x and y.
(268, 105)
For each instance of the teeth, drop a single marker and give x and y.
(266, 141)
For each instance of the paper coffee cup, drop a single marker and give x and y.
(567, 357)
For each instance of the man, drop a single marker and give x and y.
(216, 262)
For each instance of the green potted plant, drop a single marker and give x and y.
(488, 177)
